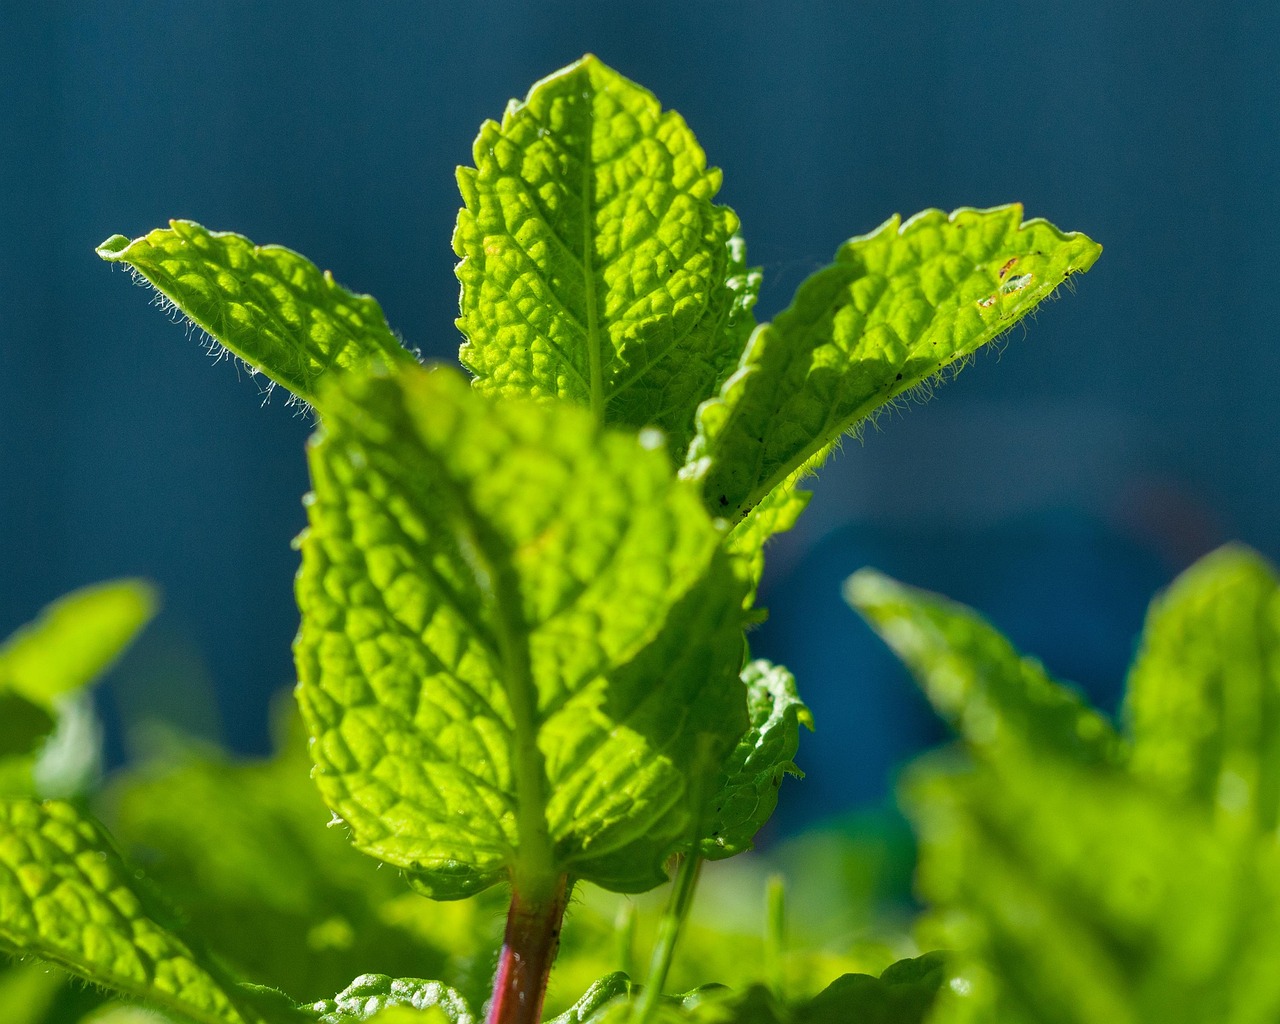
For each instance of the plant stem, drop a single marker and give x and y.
(528, 950)
(673, 918)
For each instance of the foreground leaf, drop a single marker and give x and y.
(1204, 693)
(895, 307)
(595, 266)
(517, 631)
(66, 897)
(996, 699)
(747, 789)
(271, 307)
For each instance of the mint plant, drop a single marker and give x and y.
(1089, 873)
(522, 658)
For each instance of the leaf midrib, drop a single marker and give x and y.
(594, 353)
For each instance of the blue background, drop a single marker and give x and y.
(1055, 484)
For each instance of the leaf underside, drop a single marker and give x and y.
(266, 304)
(466, 560)
(896, 306)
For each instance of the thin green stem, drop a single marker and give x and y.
(669, 928)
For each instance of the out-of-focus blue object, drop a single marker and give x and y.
(336, 132)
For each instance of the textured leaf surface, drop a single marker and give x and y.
(372, 996)
(895, 307)
(997, 699)
(281, 896)
(747, 790)
(1086, 898)
(595, 266)
(513, 620)
(268, 305)
(1204, 692)
(74, 640)
(66, 897)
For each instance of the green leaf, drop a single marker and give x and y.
(372, 995)
(895, 307)
(1084, 897)
(903, 994)
(74, 640)
(23, 725)
(66, 897)
(776, 513)
(280, 896)
(595, 266)
(1204, 693)
(518, 629)
(999, 701)
(610, 987)
(747, 789)
(266, 304)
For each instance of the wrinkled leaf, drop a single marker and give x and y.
(66, 897)
(595, 266)
(995, 698)
(895, 307)
(747, 789)
(266, 304)
(517, 630)
(1204, 693)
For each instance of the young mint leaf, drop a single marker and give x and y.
(903, 994)
(518, 629)
(747, 789)
(895, 307)
(606, 990)
(595, 266)
(66, 897)
(1084, 897)
(1204, 693)
(74, 640)
(371, 996)
(998, 700)
(266, 304)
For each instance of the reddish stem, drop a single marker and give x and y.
(528, 950)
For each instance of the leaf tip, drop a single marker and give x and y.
(113, 247)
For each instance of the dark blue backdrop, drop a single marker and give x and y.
(1126, 431)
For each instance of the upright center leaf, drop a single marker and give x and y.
(595, 266)
(516, 624)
